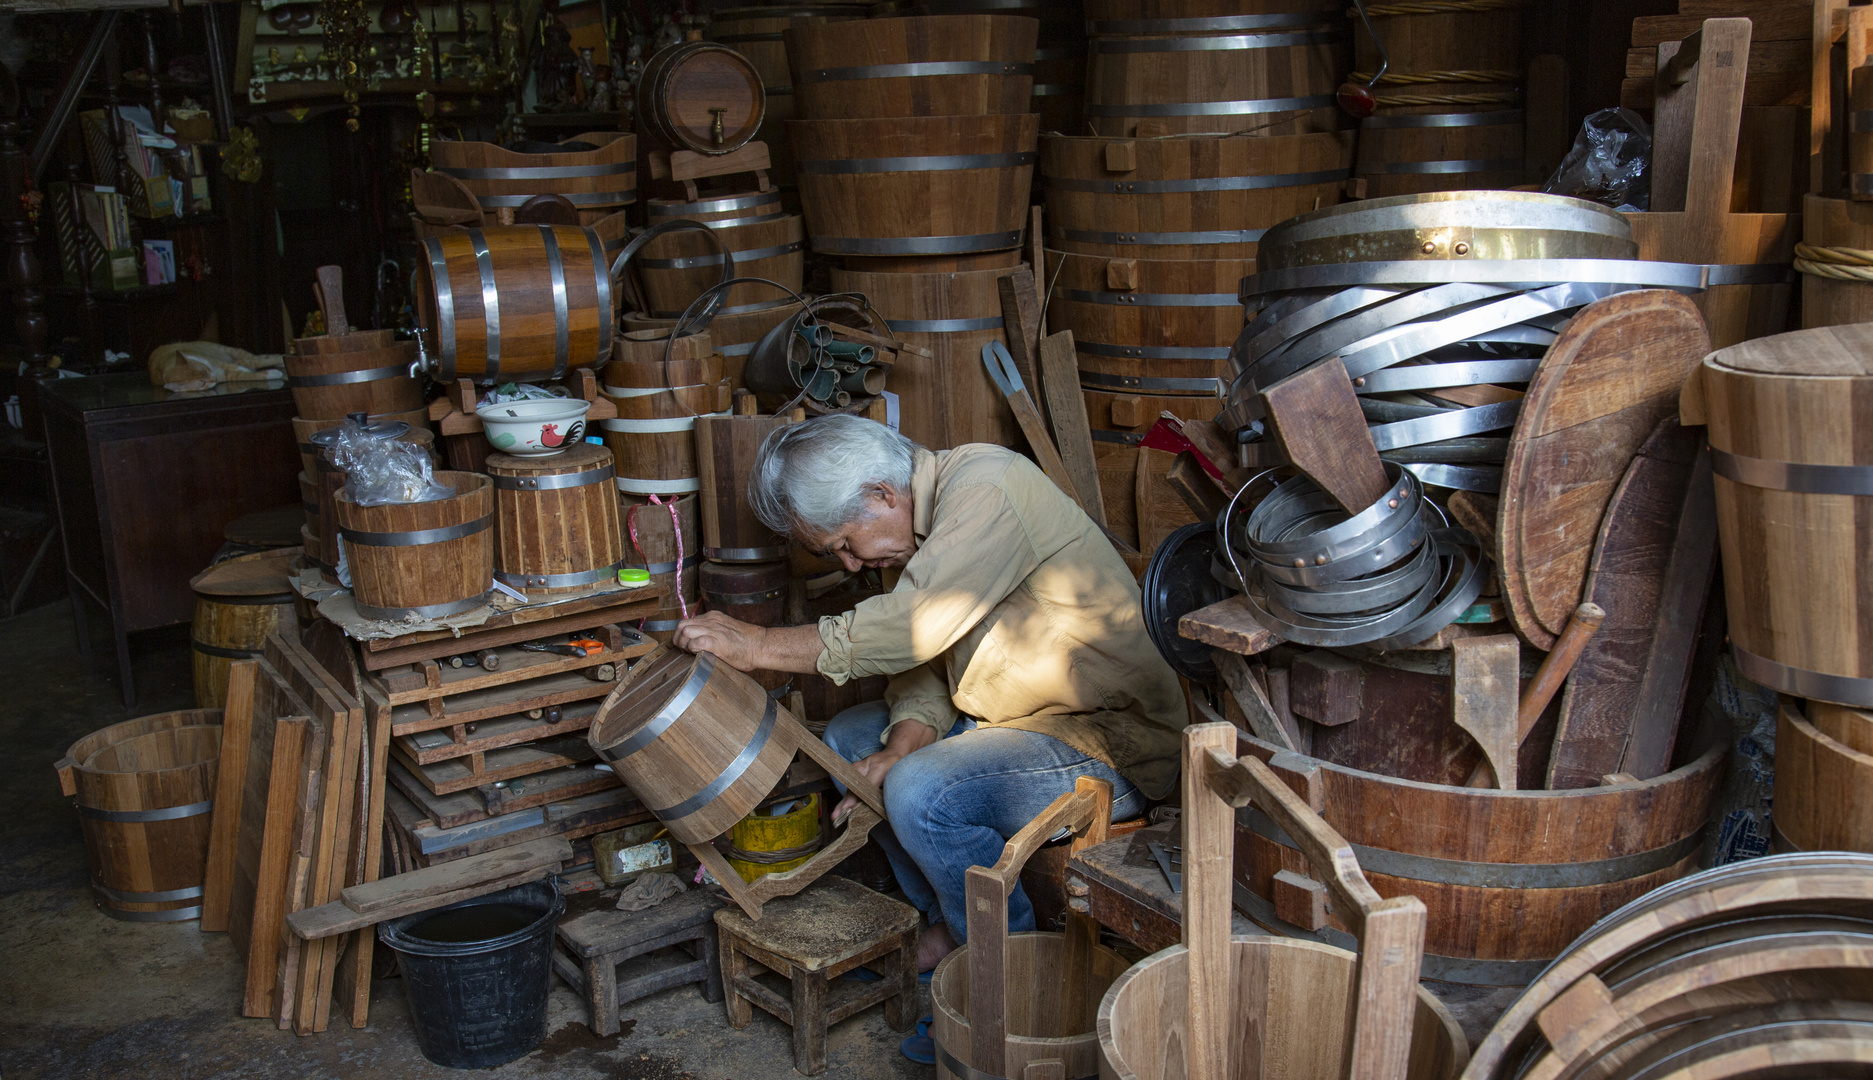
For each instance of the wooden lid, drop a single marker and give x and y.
(578, 459)
(262, 574)
(1840, 351)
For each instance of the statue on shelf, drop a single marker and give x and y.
(559, 65)
(603, 100)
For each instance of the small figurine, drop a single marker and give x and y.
(602, 97)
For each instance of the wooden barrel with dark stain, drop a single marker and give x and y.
(727, 448)
(934, 65)
(517, 302)
(556, 526)
(665, 538)
(702, 97)
(237, 604)
(428, 559)
(328, 385)
(597, 182)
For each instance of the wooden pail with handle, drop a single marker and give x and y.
(1217, 1008)
(1008, 1001)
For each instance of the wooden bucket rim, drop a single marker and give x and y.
(939, 982)
(76, 752)
(87, 766)
(664, 658)
(465, 484)
(606, 141)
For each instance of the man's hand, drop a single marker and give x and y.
(737, 643)
(906, 739)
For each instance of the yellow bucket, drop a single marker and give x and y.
(758, 838)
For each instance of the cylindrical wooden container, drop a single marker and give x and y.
(556, 526)
(1175, 67)
(303, 430)
(598, 182)
(1823, 778)
(523, 302)
(1185, 198)
(947, 399)
(733, 336)
(1794, 485)
(1446, 151)
(1059, 53)
(755, 593)
(726, 449)
(237, 604)
(1149, 326)
(329, 479)
(936, 65)
(702, 97)
(928, 185)
(669, 546)
(755, 32)
(328, 385)
(658, 402)
(695, 740)
(676, 268)
(145, 789)
(429, 559)
(1830, 294)
(1035, 1031)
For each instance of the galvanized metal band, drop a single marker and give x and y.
(741, 258)
(730, 774)
(1445, 120)
(1843, 689)
(167, 813)
(1052, 90)
(1233, 43)
(964, 1072)
(576, 198)
(426, 611)
(755, 554)
(742, 349)
(943, 326)
(1126, 299)
(1453, 424)
(1108, 27)
(445, 305)
(675, 707)
(602, 276)
(1458, 969)
(1125, 438)
(1153, 352)
(1438, 168)
(553, 481)
(1394, 380)
(1216, 387)
(659, 626)
(737, 599)
(655, 569)
(1529, 272)
(654, 427)
(936, 163)
(164, 897)
(560, 581)
(1210, 183)
(348, 378)
(649, 391)
(1752, 273)
(540, 172)
(174, 915)
(418, 537)
(490, 301)
(738, 309)
(632, 485)
(757, 219)
(1792, 475)
(1483, 478)
(1251, 107)
(562, 326)
(1221, 236)
(914, 71)
(713, 206)
(917, 245)
(1495, 875)
(222, 651)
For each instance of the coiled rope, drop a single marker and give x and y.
(1838, 263)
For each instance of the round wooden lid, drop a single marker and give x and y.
(1838, 351)
(578, 459)
(274, 528)
(264, 573)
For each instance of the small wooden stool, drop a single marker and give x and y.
(600, 941)
(811, 940)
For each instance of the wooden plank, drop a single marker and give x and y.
(498, 701)
(405, 890)
(1197, 488)
(1773, 21)
(425, 747)
(445, 811)
(516, 665)
(237, 720)
(1485, 687)
(1318, 424)
(1021, 325)
(328, 920)
(556, 786)
(1250, 697)
(1066, 406)
(458, 774)
(257, 901)
(521, 624)
(1694, 163)
(1786, 60)
(1209, 828)
(1228, 624)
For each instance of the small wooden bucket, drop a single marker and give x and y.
(524, 302)
(598, 182)
(237, 604)
(556, 523)
(935, 65)
(677, 268)
(657, 403)
(425, 559)
(733, 336)
(145, 789)
(1823, 778)
(329, 479)
(328, 385)
(701, 97)
(304, 429)
(1149, 326)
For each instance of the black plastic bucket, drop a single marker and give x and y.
(477, 974)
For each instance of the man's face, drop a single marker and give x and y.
(881, 537)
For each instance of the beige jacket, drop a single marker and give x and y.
(1015, 610)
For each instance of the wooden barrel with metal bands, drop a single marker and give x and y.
(523, 302)
(556, 520)
(931, 65)
(596, 182)
(425, 559)
(702, 97)
(1449, 151)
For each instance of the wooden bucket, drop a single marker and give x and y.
(1059, 54)
(1177, 67)
(427, 559)
(1793, 485)
(237, 604)
(652, 437)
(938, 185)
(556, 526)
(1445, 151)
(145, 789)
(676, 268)
(702, 97)
(329, 479)
(705, 773)
(755, 593)
(1823, 778)
(947, 399)
(520, 302)
(734, 336)
(304, 429)
(726, 449)
(1831, 295)
(599, 182)
(936, 65)
(1044, 986)
(328, 385)
(755, 32)
(1185, 198)
(669, 548)
(1474, 143)
(1159, 327)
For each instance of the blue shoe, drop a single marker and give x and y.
(920, 1048)
(924, 977)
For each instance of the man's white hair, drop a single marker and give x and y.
(812, 477)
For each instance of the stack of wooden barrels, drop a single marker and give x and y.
(755, 33)
(745, 573)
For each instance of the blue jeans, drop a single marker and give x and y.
(955, 803)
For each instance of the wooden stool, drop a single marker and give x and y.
(811, 940)
(601, 941)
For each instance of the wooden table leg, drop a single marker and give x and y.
(601, 990)
(734, 965)
(707, 953)
(809, 1022)
(78, 615)
(900, 1009)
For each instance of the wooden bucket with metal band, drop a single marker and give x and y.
(1835, 289)
(428, 559)
(702, 97)
(652, 436)
(726, 450)
(1176, 67)
(1794, 484)
(918, 185)
(597, 182)
(237, 604)
(329, 479)
(1443, 65)
(1059, 53)
(1185, 198)
(947, 399)
(933, 65)
(668, 547)
(303, 430)
(675, 269)
(1158, 327)
(755, 32)
(328, 385)
(733, 336)
(1446, 151)
(519, 302)
(145, 790)
(1823, 778)
(556, 526)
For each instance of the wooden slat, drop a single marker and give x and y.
(1066, 407)
(230, 781)
(1318, 425)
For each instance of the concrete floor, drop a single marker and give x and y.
(86, 996)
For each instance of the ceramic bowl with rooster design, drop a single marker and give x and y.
(534, 428)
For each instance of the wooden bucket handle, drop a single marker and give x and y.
(1390, 932)
(1087, 810)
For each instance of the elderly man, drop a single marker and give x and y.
(1016, 651)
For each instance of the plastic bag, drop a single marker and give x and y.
(1609, 162)
(522, 392)
(379, 471)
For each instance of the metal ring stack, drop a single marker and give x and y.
(1441, 307)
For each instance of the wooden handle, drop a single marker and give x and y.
(1044, 453)
(68, 775)
(1485, 675)
(1319, 426)
(1554, 670)
(332, 299)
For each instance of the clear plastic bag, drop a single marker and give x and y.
(1609, 162)
(379, 470)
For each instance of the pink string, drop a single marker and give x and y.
(676, 527)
